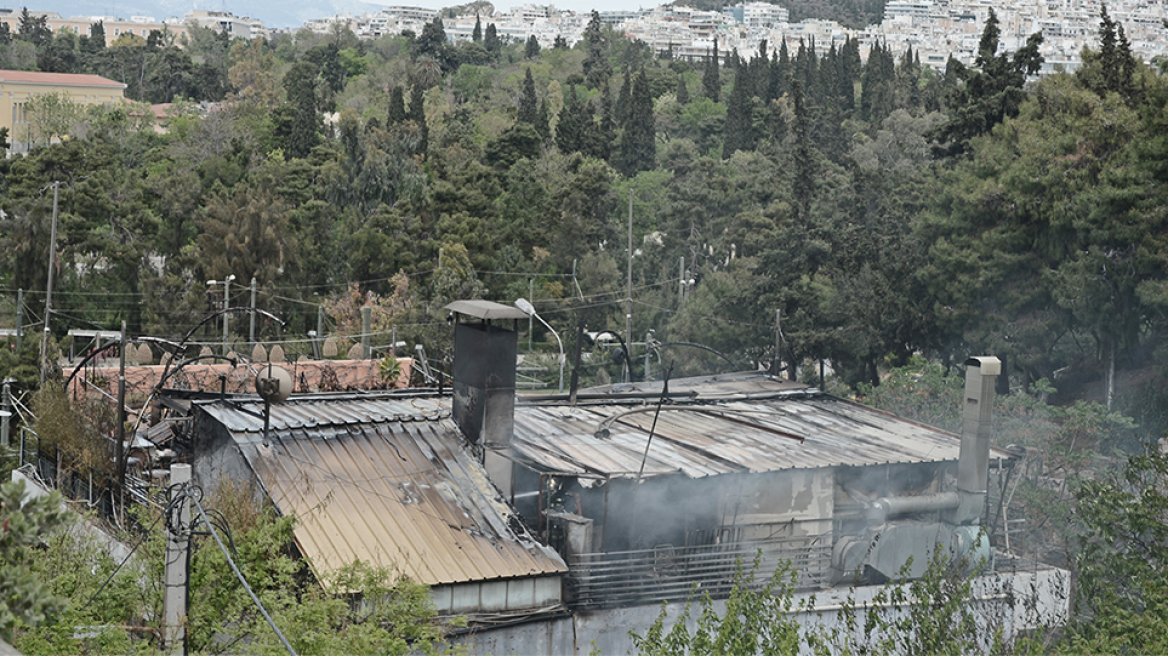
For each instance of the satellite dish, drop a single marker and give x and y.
(274, 384)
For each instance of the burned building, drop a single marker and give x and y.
(560, 522)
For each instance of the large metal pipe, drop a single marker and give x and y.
(881, 509)
(973, 466)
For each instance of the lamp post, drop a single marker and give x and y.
(529, 309)
(226, 282)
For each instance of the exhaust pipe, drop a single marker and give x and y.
(973, 465)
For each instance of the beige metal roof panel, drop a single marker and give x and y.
(395, 493)
(557, 438)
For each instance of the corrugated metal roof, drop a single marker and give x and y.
(385, 481)
(556, 438)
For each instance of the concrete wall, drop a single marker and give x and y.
(1001, 601)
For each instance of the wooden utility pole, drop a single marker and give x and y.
(49, 286)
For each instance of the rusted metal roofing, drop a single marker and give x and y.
(388, 482)
(762, 418)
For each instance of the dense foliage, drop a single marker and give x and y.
(883, 208)
(78, 584)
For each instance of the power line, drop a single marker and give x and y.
(235, 568)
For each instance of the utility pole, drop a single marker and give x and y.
(226, 304)
(19, 318)
(530, 318)
(629, 294)
(777, 367)
(174, 633)
(5, 412)
(251, 328)
(121, 452)
(316, 344)
(49, 286)
(366, 328)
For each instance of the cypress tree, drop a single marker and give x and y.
(760, 72)
(804, 186)
(418, 116)
(300, 84)
(491, 40)
(531, 48)
(528, 104)
(638, 141)
(739, 132)
(568, 129)
(477, 34)
(780, 71)
(542, 123)
(848, 74)
(682, 90)
(711, 85)
(624, 99)
(596, 67)
(397, 106)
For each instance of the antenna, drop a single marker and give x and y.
(274, 385)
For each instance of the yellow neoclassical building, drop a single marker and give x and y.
(18, 87)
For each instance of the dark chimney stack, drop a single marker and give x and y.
(485, 350)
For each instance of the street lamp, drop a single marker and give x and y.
(529, 310)
(226, 282)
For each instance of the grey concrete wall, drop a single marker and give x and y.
(1012, 602)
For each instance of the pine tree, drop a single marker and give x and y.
(528, 103)
(989, 93)
(639, 139)
(1116, 65)
(711, 85)
(682, 90)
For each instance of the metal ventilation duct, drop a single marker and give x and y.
(484, 371)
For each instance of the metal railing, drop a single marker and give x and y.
(97, 489)
(667, 573)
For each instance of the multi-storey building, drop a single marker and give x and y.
(17, 88)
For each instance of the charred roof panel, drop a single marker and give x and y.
(388, 482)
(763, 423)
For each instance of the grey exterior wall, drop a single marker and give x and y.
(607, 631)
